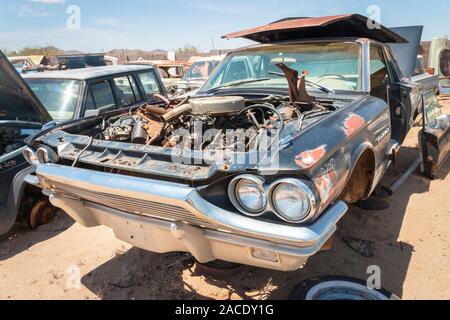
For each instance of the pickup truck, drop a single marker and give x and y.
(261, 164)
(52, 98)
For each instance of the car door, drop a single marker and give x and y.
(434, 138)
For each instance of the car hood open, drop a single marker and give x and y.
(17, 100)
(346, 25)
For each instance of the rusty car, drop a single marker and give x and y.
(49, 99)
(260, 165)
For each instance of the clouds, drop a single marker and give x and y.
(48, 1)
(106, 21)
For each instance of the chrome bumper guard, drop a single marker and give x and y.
(165, 217)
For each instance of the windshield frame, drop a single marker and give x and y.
(363, 69)
(77, 104)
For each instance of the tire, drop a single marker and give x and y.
(338, 288)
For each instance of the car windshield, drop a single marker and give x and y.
(201, 70)
(331, 65)
(60, 97)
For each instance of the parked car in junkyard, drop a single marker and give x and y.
(197, 75)
(260, 165)
(439, 62)
(78, 93)
(57, 97)
(21, 115)
(171, 71)
(30, 63)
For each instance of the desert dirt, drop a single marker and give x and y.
(411, 238)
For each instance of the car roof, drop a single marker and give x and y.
(87, 73)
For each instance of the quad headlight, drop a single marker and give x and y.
(291, 200)
(248, 195)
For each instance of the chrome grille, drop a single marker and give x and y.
(134, 206)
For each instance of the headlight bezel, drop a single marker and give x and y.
(304, 188)
(233, 194)
(30, 156)
(270, 188)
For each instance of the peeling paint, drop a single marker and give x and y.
(309, 158)
(327, 181)
(352, 124)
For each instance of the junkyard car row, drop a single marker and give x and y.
(256, 167)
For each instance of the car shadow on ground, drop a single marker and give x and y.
(137, 274)
(20, 238)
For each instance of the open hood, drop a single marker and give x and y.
(347, 25)
(17, 100)
(406, 53)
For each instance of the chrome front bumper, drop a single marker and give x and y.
(162, 217)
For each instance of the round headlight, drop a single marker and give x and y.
(292, 201)
(30, 156)
(248, 195)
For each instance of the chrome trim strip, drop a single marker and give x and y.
(188, 198)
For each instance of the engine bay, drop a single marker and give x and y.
(10, 140)
(219, 122)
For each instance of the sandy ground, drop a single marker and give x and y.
(412, 241)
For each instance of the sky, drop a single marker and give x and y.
(102, 25)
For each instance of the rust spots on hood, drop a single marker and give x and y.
(307, 159)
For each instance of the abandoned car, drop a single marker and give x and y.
(260, 165)
(197, 75)
(74, 94)
(21, 115)
(51, 98)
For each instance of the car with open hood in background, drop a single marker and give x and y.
(21, 115)
(53, 98)
(261, 164)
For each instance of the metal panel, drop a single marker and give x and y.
(406, 53)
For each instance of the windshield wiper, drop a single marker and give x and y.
(235, 84)
(309, 82)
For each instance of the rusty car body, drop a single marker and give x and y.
(324, 108)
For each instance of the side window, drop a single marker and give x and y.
(379, 74)
(125, 91)
(100, 96)
(134, 86)
(150, 84)
(445, 63)
(432, 109)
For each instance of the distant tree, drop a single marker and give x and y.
(188, 49)
(39, 51)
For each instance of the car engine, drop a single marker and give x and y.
(204, 123)
(10, 140)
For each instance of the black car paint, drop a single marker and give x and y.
(327, 152)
